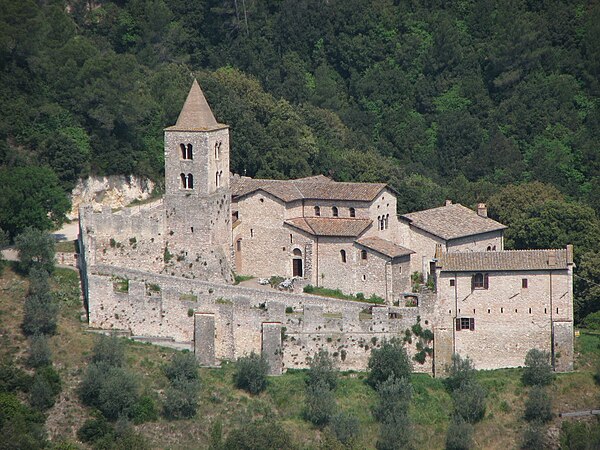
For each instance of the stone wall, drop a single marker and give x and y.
(508, 318)
(245, 319)
(478, 243)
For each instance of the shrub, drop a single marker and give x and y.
(39, 281)
(395, 433)
(469, 401)
(320, 404)
(109, 351)
(579, 435)
(39, 314)
(394, 396)
(52, 377)
(181, 401)
(21, 427)
(538, 406)
(39, 352)
(261, 434)
(461, 371)
(459, 435)
(144, 410)
(592, 321)
(41, 396)
(13, 378)
(183, 365)
(538, 371)
(94, 429)
(345, 427)
(322, 370)
(534, 437)
(251, 373)
(118, 394)
(389, 360)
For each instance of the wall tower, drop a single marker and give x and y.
(197, 196)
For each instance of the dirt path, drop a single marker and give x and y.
(68, 232)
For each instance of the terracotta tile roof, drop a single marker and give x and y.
(452, 221)
(318, 187)
(195, 115)
(330, 226)
(516, 260)
(384, 247)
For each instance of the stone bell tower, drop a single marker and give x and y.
(197, 196)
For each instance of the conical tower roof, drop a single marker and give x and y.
(195, 115)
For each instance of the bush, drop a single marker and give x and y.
(322, 370)
(579, 436)
(391, 360)
(461, 371)
(592, 321)
(534, 438)
(345, 427)
(21, 427)
(260, 434)
(94, 429)
(459, 435)
(183, 366)
(396, 433)
(538, 371)
(538, 406)
(394, 398)
(469, 401)
(320, 404)
(39, 281)
(251, 373)
(144, 410)
(41, 395)
(39, 352)
(108, 351)
(181, 401)
(39, 314)
(13, 378)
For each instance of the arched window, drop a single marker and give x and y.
(379, 222)
(352, 212)
(334, 211)
(494, 248)
(489, 248)
(317, 211)
(343, 255)
(183, 180)
(217, 149)
(189, 154)
(217, 179)
(363, 254)
(190, 181)
(387, 219)
(183, 151)
(297, 252)
(479, 281)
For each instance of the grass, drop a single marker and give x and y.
(336, 293)
(284, 398)
(66, 246)
(239, 278)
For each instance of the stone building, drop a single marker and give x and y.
(164, 270)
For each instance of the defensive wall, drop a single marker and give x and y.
(224, 322)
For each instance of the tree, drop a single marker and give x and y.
(538, 371)
(40, 314)
(181, 401)
(322, 370)
(538, 406)
(41, 396)
(534, 437)
(118, 394)
(36, 249)
(108, 351)
(459, 435)
(345, 427)
(391, 360)
(461, 371)
(469, 401)
(320, 403)
(183, 366)
(394, 395)
(396, 433)
(30, 197)
(39, 352)
(251, 373)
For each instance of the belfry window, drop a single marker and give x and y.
(317, 211)
(352, 212)
(343, 255)
(183, 151)
(479, 281)
(187, 181)
(186, 151)
(334, 211)
(363, 254)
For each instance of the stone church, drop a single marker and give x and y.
(165, 270)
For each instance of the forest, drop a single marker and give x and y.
(493, 101)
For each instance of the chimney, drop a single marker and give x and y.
(448, 202)
(481, 210)
(570, 254)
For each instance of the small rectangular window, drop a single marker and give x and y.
(524, 283)
(251, 232)
(452, 282)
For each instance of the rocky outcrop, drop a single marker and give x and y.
(115, 191)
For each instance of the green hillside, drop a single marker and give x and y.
(282, 402)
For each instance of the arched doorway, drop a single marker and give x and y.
(297, 268)
(238, 255)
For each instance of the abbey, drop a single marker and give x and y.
(165, 270)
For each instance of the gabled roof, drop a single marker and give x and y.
(512, 260)
(452, 221)
(318, 188)
(196, 114)
(330, 226)
(384, 247)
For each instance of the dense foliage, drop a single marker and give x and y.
(439, 99)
